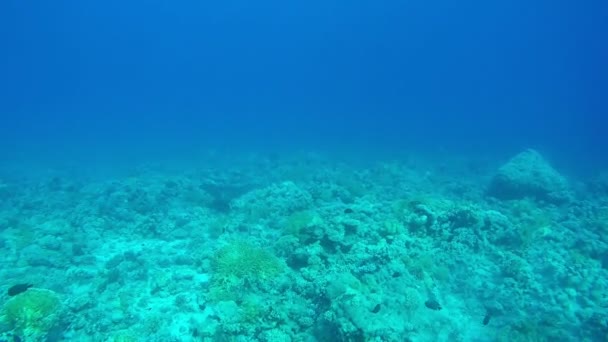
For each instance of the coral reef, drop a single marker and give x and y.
(306, 248)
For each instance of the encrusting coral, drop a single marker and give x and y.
(33, 313)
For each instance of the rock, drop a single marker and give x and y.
(528, 174)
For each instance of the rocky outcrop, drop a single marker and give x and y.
(528, 174)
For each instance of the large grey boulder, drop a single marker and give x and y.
(528, 174)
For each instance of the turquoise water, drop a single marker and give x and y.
(305, 171)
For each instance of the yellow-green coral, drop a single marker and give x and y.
(299, 224)
(534, 222)
(123, 336)
(33, 313)
(239, 265)
(242, 259)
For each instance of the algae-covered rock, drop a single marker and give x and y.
(33, 313)
(528, 174)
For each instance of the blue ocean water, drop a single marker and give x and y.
(362, 150)
(472, 75)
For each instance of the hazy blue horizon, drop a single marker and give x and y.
(467, 76)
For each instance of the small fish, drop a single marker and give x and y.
(432, 304)
(376, 308)
(486, 318)
(19, 288)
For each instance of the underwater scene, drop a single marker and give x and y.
(318, 171)
(306, 248)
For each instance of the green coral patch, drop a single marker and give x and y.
(242, 259)
(33, 313)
